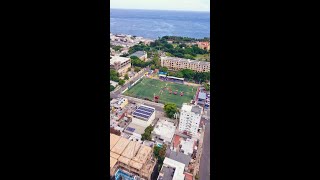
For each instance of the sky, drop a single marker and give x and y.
(182, 5)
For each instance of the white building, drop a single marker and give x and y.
(190, 117)
(143, 116)
(163, 131)
(171, 166)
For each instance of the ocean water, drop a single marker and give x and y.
(155, 23)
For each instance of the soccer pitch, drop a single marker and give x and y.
(146, 88)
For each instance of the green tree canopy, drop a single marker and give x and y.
(121, 82)
(170, 109)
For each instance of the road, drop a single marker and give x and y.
(204, 173)
(115, 94)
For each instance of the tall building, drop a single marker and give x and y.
(190, 117)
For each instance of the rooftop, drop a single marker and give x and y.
(188, 176)
(134, 128)
(167, 173)
(131, 149)
(113, 140)
(187, 146)
(128, 152)
(180, 157)
(196, 109)
(143, 112)
(202, 95)
(191, 108)
(138, 54)
(120, 146)
(118, 59)
(164, 129)
(176, 59)
(179, 168)
(176, 141)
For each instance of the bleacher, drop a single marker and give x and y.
(171, 79)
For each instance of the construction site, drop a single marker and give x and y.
(130, 159)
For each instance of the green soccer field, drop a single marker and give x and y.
(146, 88)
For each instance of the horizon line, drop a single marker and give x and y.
(163, 10)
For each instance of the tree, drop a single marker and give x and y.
(188, 73)
(207, 87)
(126, 77)
(117, 48)
(153, 67)
(114, 75)
(111, 88)
(147, 133)
(160, 153)
(163, 69)
(179, 74)
(170, 109)
(121, 82)
(137, 69)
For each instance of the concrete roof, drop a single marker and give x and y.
(178, 173)
(113, 140)
(186, 107)
(164, 129)
(137, 129)
(120, 146)
(191, 108)
(118, 59)
(138, 54)
(167, 172)
(202, 95)
(187, 146)
(196, 109)
(180, 157)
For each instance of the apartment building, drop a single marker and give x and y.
(131, 157)
(174, 63)
(190, 117)
(120, 64)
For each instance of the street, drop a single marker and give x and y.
(204, 173)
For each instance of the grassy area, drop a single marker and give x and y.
(146, 88)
